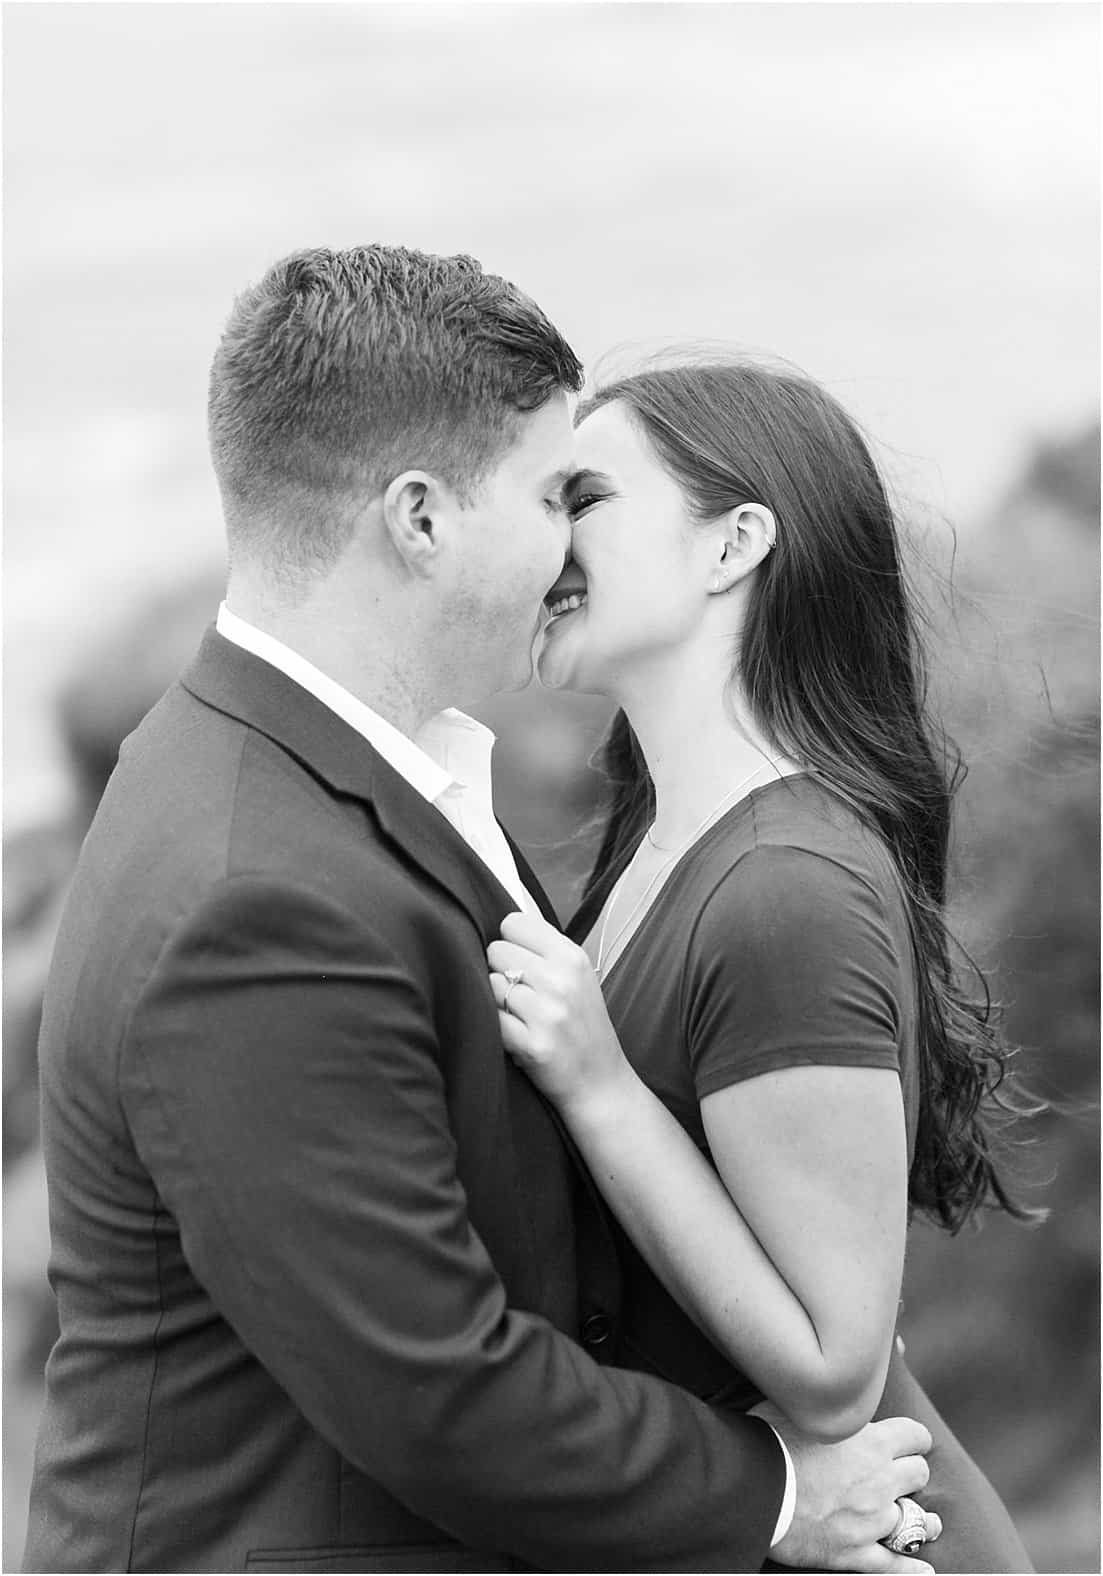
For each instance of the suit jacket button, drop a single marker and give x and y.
(596, 1330)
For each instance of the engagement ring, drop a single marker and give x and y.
(513, 977)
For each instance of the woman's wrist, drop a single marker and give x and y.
(601, 1104)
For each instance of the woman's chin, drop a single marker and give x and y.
(551, 671)
(557, 654)
(560, 668)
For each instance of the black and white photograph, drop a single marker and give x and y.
(551, 786)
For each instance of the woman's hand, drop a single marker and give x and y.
(556, 1026)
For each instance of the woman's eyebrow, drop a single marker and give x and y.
(578, 481)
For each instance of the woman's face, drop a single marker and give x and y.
(643, 557)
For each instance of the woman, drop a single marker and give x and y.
(783, 1065)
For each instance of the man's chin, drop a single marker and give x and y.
(520, 681)
(523, 672)
(541, 667)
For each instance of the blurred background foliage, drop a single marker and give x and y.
(901, 199)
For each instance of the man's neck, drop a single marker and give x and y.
(352, 652)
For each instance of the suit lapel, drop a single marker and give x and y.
(431, 842)
(532, 885)
(595, 1246)
(244, 686)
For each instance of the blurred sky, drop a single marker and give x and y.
(902, 198)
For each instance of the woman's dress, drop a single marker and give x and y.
(781, 939)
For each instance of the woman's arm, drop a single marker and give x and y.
(799, 1281)
(791, 1264)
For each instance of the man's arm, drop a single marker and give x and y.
(282, 1084)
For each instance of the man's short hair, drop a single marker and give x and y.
(340, 370)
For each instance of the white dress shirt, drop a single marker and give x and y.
(450, 766)
(449, 763)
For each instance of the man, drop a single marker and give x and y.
(320, 1252)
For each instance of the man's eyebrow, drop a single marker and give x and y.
(559, 480)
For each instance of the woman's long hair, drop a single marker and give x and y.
(830, 663)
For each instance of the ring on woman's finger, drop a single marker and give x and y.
(513, 978)
(910, 1532)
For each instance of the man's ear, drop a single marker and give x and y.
(746, 536)
(413, 509)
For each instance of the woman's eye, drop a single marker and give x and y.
(581, 503)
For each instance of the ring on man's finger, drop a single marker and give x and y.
(910, 1532)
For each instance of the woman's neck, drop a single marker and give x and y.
(701, 745)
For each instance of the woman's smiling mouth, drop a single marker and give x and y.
(566, 604)
(569, 591)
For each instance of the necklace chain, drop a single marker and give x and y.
(674, 855)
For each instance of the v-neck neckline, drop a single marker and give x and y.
(677, 868)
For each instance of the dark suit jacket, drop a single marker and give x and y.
(313, 1234)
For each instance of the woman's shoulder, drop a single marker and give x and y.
(801, 824)
(798, 856)
(797, 950)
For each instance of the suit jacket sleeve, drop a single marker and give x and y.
(282, 1083)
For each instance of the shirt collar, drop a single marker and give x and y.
(452, 749)
(463, 748)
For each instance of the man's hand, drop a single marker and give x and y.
(847, 1493)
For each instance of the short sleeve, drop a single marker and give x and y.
(792, 962)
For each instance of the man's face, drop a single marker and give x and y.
(513, 539)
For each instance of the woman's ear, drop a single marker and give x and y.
(746, 535)
(413, 510)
